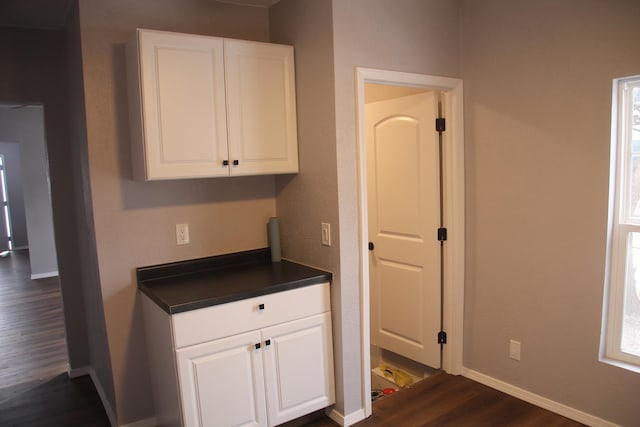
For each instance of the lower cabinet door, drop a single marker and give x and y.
(298, 364)
(222, 382)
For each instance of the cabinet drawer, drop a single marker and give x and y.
(197, 326)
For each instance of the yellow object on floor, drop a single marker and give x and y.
(400, 378)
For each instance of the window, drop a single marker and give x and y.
(621, 320)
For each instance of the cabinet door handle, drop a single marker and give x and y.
(236, 162)
(225, 163)
(267, 343)
(261, 307)
(257, 345)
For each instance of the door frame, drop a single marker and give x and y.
(453, 158)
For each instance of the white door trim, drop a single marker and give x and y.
(453, 212)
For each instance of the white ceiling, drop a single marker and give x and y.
(52, 14)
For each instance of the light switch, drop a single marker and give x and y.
(182, 234)
(514, 349)
(326, 234)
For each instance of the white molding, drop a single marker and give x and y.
(103, 398)
(88, 370)
(454, 216)
(79, 372)
(346, 420)
(44, 275)
(536, 399)
(363, 75)
(454, 208)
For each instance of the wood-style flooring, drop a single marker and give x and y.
(445, 400)
(34, 387)
(36, 391)
(32, 340)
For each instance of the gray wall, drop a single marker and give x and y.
(26, 126)
(538, 79)
(13, 172)
(33, 71)
(87, 270)
(134, 222)
(308, 198)
(533, 72)
(413, 36)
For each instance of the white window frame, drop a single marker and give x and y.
(620, 226)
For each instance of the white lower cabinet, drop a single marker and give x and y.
(298, 368)
(280, 370)
(221, 382)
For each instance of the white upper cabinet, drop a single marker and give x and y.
(261, 107)
(177, 105)
(186, 122)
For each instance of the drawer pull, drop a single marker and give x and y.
(267, 343)
(257, 346)
(261, 307)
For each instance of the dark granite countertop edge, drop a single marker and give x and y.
(195, 305)
(146, 276)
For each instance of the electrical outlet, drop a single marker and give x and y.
(326, 233)
(514, 349)
(182, 234)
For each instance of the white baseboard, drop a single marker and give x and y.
(79, 372)
(87, 370)
(535, 399)
(44, 275)
(103, 398)
(346, 420)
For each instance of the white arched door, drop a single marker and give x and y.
(403, 193)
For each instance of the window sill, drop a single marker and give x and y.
(624, 365)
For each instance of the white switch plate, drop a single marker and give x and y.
(514, 349)
(326, 234)
(182, 234)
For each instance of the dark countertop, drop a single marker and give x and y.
(194, 284)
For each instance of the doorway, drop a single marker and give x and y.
(6, 243)
(22, 140)
(451, 269)
(403, 193)
(34, 346)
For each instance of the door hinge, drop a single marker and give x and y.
(442, 337)
(442, 234)
(440, 124)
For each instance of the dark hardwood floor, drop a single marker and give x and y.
(447, 400)
(34, 387)
(36, 391)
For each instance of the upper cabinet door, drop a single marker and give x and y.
(179, 86)
(261, 108)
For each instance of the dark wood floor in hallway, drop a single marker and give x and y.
(34, 387)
